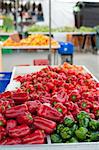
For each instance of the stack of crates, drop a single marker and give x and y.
(4, 80)
(66, 49)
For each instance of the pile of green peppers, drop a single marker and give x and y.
(84, 129)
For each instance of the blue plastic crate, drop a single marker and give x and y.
(4, 80)
(66, 48)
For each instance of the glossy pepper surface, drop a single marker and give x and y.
(25, 118)
(19, 131)
(11, 124)
(16, 111)
(44, 124)
(37, 137)
(49, 113)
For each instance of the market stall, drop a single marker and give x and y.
(67, 134)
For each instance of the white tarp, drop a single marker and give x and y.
(62, 12)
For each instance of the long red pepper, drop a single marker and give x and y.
(20, 98)
(49, 113)
(44, 124)
(33, 106)
(25, 118)
(35, 138)
(13, 141)
(19, 131)
(16, 110)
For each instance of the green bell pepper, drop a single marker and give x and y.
(66, 133)
(59, 128)
(55, 138)
(81, 133)
(68, 122)
(94, 137)
(94, 125)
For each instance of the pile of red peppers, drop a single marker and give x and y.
(44, 99)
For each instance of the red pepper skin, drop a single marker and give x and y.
(35, 138)
(6, 94)
(2, 107)
(11, 124)
(49, 113)
(44, 124)
(25, 118)
(16, 111)
(13, 141)
(62, 107)
(33, 106)
(3, 142)
(20, 98)
(2, 133)
(19, 131)
(60, 96)
(2, 120)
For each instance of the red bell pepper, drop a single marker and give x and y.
(11, 124)
(20, 98)
(2, 120)
(2, 107)
(85, 104)
(44, 124)
(3, 142)
(25, 118)
(60, 96)
(74, 96)
(13, 141)
(6, 94)
(16, 111)
(33, 106)
(49, 113)
(19, 131)
(61, 108)
(35, 138)
(2, 133)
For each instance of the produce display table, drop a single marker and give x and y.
(70, 146)
(54, 48)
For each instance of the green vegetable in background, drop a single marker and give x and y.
(94, 125)
(66, 133)
(74, 127)
(55, 138)
(73, 140)
(68, 122)
(81, 133)
(59, 128)
(83, 119)
(94, 136)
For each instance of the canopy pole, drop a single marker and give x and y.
(50, 31)
(16, 10)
